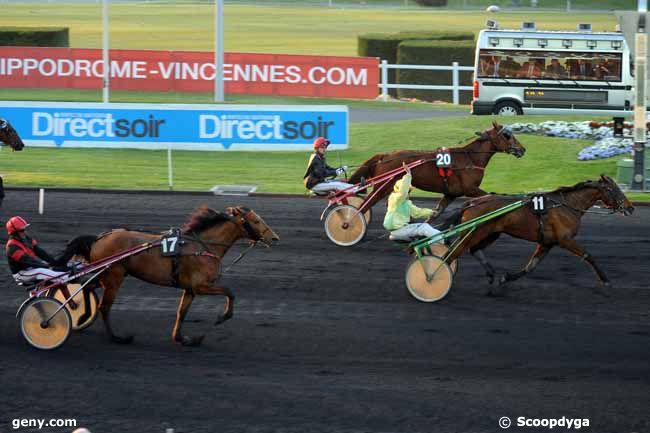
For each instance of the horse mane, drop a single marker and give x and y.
(576, 187)
(203, 218)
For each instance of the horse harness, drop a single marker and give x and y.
(175, 239)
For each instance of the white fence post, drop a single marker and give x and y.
(455, 83)
(384, 80)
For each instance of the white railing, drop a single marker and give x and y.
(455, 86)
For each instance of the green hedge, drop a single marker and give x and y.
(434, 3)
(384, 45)
(434, 53)
(35, 36)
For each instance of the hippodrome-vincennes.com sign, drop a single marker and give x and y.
(188, 71)
(182, 127)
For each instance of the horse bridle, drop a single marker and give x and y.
(506, 131)
(618, 206)
(619, 203)
(255, 236)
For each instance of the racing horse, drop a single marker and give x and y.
(463, 175)
(549, 219)
(202, 243)
(8, 137)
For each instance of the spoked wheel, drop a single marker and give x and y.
(78, 312)
(345, 226)
(357, 202)
(439, 250)
(428, 279)
(38, 330)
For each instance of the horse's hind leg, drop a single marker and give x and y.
(538, 255)
(575, 248)
(477, 252)
(183, 307)
(111, 281)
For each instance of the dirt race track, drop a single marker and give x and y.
(327, 339)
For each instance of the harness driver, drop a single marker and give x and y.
(400, 211)
(318, 172)
(28, 261)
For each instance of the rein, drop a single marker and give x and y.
(582, 211)
(207, 251)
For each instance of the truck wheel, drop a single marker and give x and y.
(508, 108)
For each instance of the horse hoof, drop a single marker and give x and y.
(122, 340)
(605, 290)
(83, 318)
(220, 320)
(495, 292)
(192, 341)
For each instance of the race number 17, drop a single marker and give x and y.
(168, 245)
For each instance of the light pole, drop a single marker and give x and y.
(218, 51)
(105, 56)
(641, 73)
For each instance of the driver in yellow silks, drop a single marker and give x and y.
(401, 210)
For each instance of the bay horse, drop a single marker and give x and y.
(556, 225)
(204, 241)
(8, 137)
(462, 178)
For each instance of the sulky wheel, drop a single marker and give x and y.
(345, 226)
(41, 327)
(439, 250)
(357, 201)
(76, 313)
(428, 278)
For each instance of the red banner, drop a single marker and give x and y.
(189, 71)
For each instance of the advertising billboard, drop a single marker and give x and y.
(182, 127)
(190, 71)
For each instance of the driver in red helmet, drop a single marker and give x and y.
(28, 262)
(318, 176)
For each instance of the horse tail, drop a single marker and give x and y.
(367, 169)
(79, 246)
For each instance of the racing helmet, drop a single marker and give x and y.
(16, 224)
(321, 142)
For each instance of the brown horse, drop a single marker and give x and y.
(8, 137)
(463, 176)
(551, 221)
(204, 241)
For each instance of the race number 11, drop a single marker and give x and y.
(539, 203)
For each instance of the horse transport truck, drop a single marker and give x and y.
(527, 71)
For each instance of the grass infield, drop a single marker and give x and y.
(548, 163)
(289, 29)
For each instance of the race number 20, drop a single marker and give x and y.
(443, 159)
